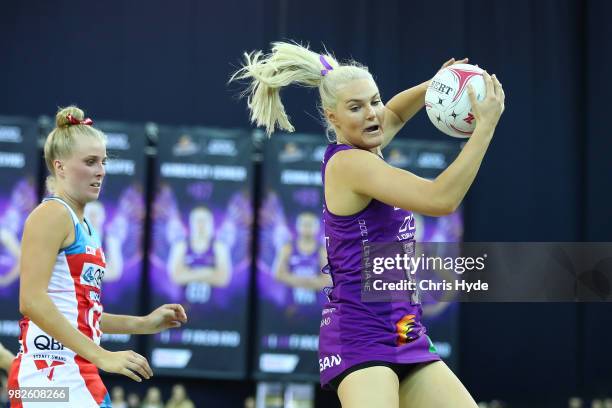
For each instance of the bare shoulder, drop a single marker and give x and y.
(50, 213)
(348, 157)
(52, 218)
(354, 167)
(345, 172)
(357, 176)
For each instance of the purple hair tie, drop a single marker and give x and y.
(326, 65)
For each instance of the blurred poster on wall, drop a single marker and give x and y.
(200, 249)
(118, 217)
(290, 258)
(269, 395)
(299, 395)
(19, 184)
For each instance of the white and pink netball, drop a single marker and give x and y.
(447, 102)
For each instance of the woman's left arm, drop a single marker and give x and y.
(121, 324)
(167, 316)
(403, 106)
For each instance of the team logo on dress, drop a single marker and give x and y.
(48, 366)
(95, 296)
(404, 327)
(43, 342)
(329, 362)
(90, 250)
(408, 224)
(92, 275)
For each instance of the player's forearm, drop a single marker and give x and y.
(42, 311)
(453, 183)
(407, 103)
(121, 324)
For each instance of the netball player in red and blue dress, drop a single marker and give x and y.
(374, 354)
(61, 270)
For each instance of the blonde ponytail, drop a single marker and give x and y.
(287, 64)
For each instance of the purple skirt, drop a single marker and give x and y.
(356, 332)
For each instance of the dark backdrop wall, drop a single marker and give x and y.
(546, 176)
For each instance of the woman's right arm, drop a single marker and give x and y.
(45, 231)
(366, 175)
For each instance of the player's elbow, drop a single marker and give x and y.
(441, 201)
(28, 304)
(448, 208)
(441, 207)
(23, 308)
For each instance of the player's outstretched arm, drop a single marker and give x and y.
(403, 106)
(167, 316)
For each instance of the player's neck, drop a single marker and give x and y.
(77, 207)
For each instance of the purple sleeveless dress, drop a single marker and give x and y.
(355, 332)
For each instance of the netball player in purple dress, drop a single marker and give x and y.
(375, 354)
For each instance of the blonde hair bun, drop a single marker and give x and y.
(61, 117)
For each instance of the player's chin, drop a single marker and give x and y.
(371, 141)
(92, 195)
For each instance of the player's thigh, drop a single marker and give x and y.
(434, 385)
(370, 387)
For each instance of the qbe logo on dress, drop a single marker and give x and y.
(92, 275)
